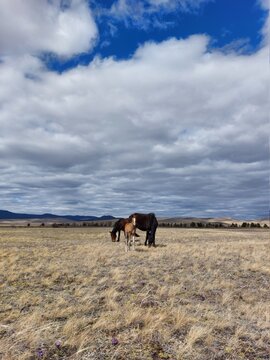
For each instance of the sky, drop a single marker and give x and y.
(117, 106)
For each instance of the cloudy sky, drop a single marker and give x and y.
(110, 107)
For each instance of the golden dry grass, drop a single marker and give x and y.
(200, 294)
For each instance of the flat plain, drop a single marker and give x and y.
(70, 293)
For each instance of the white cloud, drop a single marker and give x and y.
(264, 4)
(185, 5)
(175, 129)
(146, 13)
(35, 26)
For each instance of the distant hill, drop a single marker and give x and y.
(7, 215)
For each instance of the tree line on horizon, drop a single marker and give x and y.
(162, 224)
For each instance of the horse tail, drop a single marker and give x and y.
(153, 227)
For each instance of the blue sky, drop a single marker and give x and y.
(110, 107)
(229, 23)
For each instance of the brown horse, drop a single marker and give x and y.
(148, 223)
(130, 230)
(118, 227)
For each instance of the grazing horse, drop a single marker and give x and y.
(118, 226)
(148, 223)
(130, 229)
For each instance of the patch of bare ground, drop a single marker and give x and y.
(73, 294)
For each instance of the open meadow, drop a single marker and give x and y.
(70, 293)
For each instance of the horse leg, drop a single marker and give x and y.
(149, 238)
(146, 239)
(153, 240)
(118, 238)
(126, 242)
(153, 233)
(133, 242)
(129, 241)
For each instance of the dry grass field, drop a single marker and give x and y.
(73, 294)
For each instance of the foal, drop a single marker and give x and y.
(130, 230)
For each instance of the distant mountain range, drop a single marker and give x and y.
(7, 215)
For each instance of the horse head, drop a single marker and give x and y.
(113, 236)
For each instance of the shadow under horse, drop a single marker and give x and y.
(119, 226)
(148, 223)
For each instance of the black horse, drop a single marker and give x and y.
(148, 223)
(118, 226)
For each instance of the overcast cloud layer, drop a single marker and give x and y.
(176, 129)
